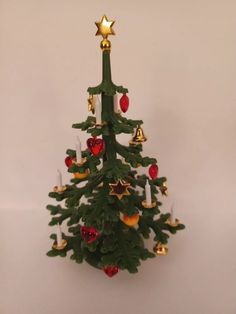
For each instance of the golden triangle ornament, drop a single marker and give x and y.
(119, 189)
(138, 137)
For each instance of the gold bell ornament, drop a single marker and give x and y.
(160, 249)
(138, 137)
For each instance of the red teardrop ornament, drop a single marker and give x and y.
(69, 161)
(111, 270)
(153, 171)
(124, 103)
(89, 234)
(95, 145)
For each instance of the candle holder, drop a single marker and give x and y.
(118, 112)
(81, 175)
(160, 249)
(59, 247)
(172, 223)
(82, 161)
(152, 205)
(138, 165)
(100, 125)
(58, 189)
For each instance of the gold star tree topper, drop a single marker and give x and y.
(119, 189)
(105, 27)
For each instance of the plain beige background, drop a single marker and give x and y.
(178, 59)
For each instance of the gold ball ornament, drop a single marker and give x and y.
(81, 175)
(105, 44)
(130, 220)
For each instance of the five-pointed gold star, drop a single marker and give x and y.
(105, 27)
(119, 189)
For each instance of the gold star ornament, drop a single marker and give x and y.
(164, 189)
(91, 104)
(105, 27)
(119, 189)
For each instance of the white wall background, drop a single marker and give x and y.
(178, 59)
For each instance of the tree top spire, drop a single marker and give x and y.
(105, 29)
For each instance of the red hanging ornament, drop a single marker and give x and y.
(111, 270)
(95, 145)
(153, 171)
(89, 234)
(124, 103)
(69, 161)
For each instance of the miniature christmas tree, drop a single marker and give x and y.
(121, 208)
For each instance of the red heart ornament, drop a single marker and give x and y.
(111, 270)
(124, 103)
(95, 145)
(69, 161)
(153, 171)
(89, 234)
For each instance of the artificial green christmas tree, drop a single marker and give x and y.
(121, 208)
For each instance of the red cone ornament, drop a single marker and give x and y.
(124, 103)
(95, 145)
(89, 234)
(153, 171)
(69, 161)
(111, 270)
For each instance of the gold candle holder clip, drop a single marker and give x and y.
(152, 205)
(172, 223)
(58, 189)
(160, 249)
(59, 247)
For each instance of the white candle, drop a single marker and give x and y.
(59, 180)
(115, 102)
(98, 111)
(148, 194)
(78, 150)
(59, 235)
